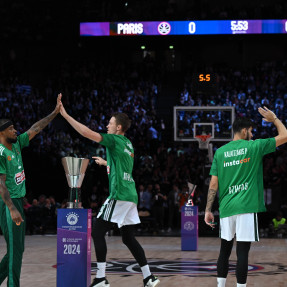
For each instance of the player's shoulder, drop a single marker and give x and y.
(2, 150)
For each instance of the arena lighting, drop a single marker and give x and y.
(164, 28)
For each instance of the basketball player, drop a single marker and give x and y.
(121, 205)
(237, 173)
(12, 190)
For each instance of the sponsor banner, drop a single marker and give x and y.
(74, 247)
(189, 228)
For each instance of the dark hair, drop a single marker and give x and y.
(3, 121)
(123, 120)
(241, 123)
(4, 124)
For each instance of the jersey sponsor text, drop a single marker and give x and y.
(236, 162)
(128, 152)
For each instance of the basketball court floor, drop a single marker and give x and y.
(267, 262)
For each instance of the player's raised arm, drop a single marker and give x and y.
(38, 126)
(80, 128)
(270, 117)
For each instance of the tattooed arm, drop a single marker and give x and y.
(38, 126)
(15, 215)
(213, 187)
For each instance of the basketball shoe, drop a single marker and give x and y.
(151, 281)
(100, 282)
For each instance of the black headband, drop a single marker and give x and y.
(6, 125)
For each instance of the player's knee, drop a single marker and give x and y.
(127, 240)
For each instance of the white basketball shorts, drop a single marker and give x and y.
(245, 226)
(120, 212)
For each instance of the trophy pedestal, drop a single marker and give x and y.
(74, 230)
(74, 247)
(189, 228)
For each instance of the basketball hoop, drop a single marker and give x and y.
(203, 141)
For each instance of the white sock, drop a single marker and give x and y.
(101, 272)
(145, 271)
(241, 285)
(221, 282)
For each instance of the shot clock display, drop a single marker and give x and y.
(204, 77)
(204, 83)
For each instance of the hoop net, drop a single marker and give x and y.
(203, 141)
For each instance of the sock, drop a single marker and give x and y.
(221, 282)
(241, 285)
(101, 272)
(145, 271)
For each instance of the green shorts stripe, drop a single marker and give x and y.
(112, 209)
(255, 227)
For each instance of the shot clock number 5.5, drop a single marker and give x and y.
(204, 77)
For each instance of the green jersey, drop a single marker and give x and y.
(11, 164)
(120, 162)
(239, 168)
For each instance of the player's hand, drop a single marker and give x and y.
(268, 116)
(58, 106)
(16, 216)
(99, 160)
(209, 219)
(62, 109)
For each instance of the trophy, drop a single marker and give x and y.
(191, 188)
(75, 169)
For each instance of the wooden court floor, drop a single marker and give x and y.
(267, 262)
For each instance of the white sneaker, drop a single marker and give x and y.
(151, 281)
(100, 282)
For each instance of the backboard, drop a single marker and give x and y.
(215, 121)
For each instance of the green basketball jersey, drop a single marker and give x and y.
(120, 162)
(11, 164)
(239, 168)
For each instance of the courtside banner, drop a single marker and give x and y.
(164, 28)
(189, 228)
(74, 247)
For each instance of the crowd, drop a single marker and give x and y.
(91, 94)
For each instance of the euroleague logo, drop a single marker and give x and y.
(188, 226)
(164, 28)
(72, 218)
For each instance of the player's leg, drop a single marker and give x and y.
(242, 251)
(100, 229)
(14, 236)
(137, 251)
(246, 232)
(223, 261)
(227, 232)
(4, 228)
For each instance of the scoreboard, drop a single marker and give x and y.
(164, 28)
